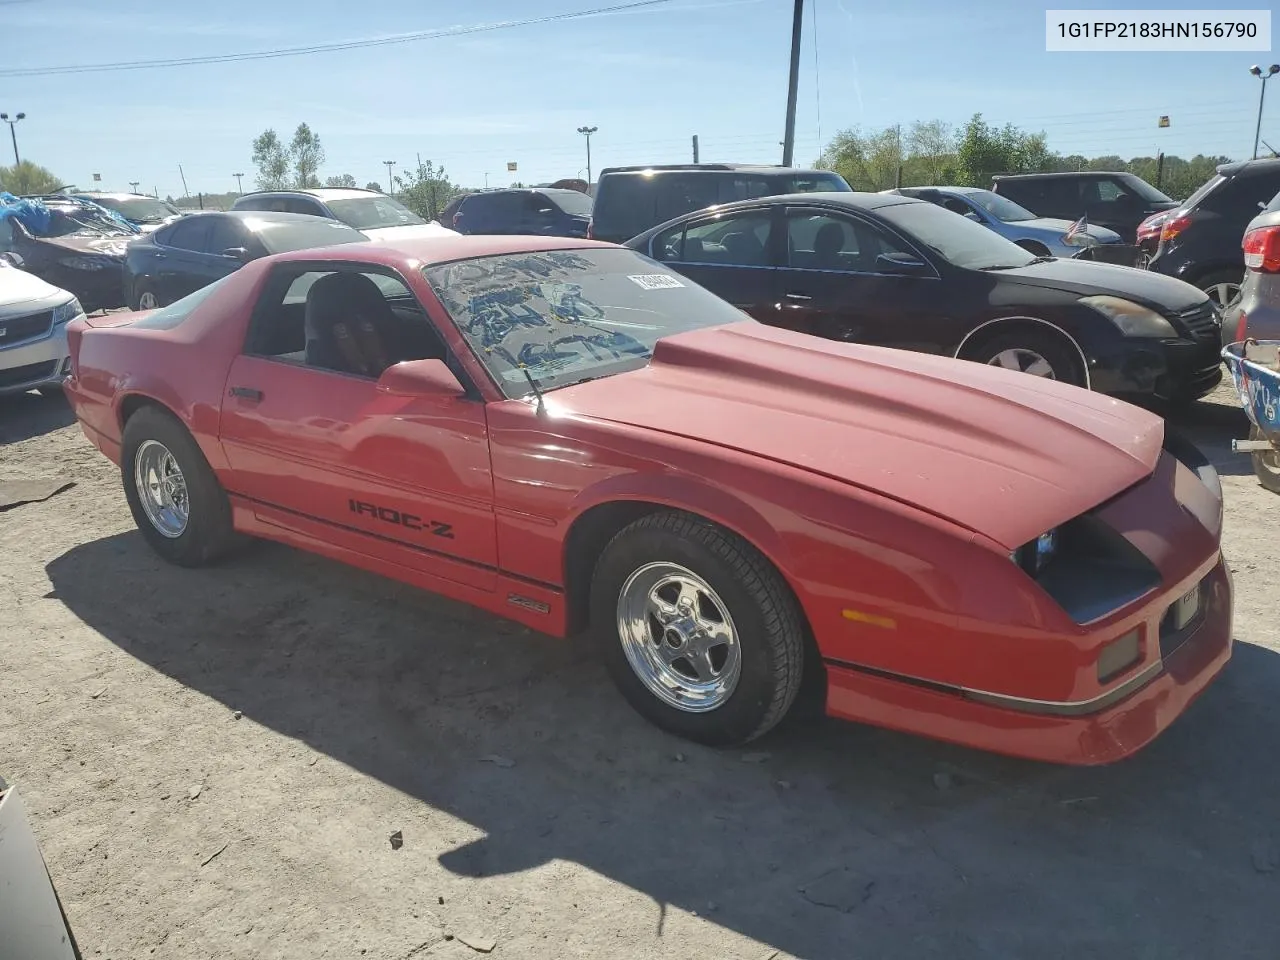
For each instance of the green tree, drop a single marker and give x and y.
(931, 154)
(426, 191)
(984, 150)
(307, 157)
(342, 180)
(373, 185)
(28, 177)
(272, 161)
(868, 161)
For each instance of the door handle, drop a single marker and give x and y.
(799, 296)
(247, 393)
(160, 256)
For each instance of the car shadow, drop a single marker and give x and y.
(1211, 427)
(842, 835)
(27, 415)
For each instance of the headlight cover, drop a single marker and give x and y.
(1131, 319)
(88, 263)
(66, 312)
(1080, 240)
(1035, 556)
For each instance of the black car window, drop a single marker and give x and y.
(741, 240)
(226, 233)
(825, 241)
(252, 203)
(190, 233)
(571, 202)
(305, 205)
(1242, 198)
(957, 240)
(681, 193)
(538, 207)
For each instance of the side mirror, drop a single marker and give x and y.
(420, 378)
(237, 253)
(13, 259)
(900, 263)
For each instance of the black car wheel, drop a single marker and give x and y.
(698, 630)
(1223, 287)
(1039, 354)
(1266, 464)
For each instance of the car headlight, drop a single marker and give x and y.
(1131, 319)
(1080, 240)
(66, 312)
(1035, 556)
(88, 263)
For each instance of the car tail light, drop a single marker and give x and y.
(1174, 226)
(1149, 229)
(1262, 249)
(1241, 326)
(1119, 655)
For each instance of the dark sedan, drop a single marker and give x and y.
(897, 272)
(196, 250)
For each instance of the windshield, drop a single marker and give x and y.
(66, 222)
(957, 240)
(1145, 190)
(140, 209)
(571, 202)
(1002, 208)
(279, 237)
(570, 315)
(370, 213)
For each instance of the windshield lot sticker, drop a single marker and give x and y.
(655, 281)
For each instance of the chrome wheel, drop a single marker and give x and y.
(678, 637)
(162, 489)
(1024, 361)
(1224, 294)
(147, 301)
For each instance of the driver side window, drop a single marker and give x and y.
(822, 241)
(740, 241)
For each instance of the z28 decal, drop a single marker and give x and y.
(407, 520)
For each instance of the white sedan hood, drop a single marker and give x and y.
(18, 287)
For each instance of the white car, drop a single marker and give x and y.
(33, 330)
(376, 215)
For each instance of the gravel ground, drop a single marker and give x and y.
(214, 762)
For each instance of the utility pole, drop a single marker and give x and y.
(695, 148)
(587, 132)
(391, 189)
(789, 138)
(239, 183)
(135, 184)
(1255, 70)
(14, 136)
(185, 191)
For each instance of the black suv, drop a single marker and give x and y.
(1200, 241)
(544, 211)
(1117, 201)
(630, 200)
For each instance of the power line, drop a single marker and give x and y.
(328, 47)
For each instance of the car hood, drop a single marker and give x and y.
(18, 287)
(1056, 228)
(1088, 279)
(104, 246)
(413, 231)
(997, 452)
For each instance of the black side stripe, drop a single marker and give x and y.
(933, 685)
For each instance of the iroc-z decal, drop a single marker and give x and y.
(407, 520)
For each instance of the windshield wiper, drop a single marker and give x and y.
(1015, 266)
(534, 384)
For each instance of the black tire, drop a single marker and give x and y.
(208, 534)
(1060, 357)
(1211, 283)
(140, 289)
(1266, 465)
(766, 617)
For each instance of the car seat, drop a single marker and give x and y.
(828, 245)
(743, 248)
(348, 325)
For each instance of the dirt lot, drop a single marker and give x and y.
(214, 762)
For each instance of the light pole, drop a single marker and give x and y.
(391, 188)
(135, 184)
(587, 132)
(1255, 70)
(12, 134)
(239, 183)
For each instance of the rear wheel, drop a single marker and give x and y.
(1223, 287)
(173, 494)
(145, 296)
(697, 629)
(1039, 354)
(1266, 464)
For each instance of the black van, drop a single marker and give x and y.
(1117, 201)
(630, 200)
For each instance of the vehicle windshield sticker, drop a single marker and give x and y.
(655, 281)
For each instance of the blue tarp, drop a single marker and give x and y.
(32, 214)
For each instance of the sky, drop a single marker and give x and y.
(647, 79)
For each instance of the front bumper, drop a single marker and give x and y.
(41, 362)
(1114, 731)
(1176, 370)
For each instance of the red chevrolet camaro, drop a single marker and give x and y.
(568, 434)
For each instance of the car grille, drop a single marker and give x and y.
(28, 373)
(14, 330)
(1202, 323)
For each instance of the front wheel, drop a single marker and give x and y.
(1266, 464)
(1223, 287)
(698, 630)
(1030, 352)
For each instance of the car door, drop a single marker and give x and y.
(182, 259)
(734, 256)
(850, 278)
(325, 454)
(230, 244)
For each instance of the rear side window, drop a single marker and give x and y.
(1242, 198)
(252, 203)
(189, 234)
